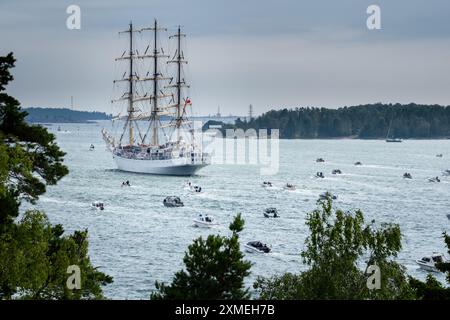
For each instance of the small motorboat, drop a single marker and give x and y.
(435, 179)
(320, 160)
(267, 184)
(98, 205)
(271, 213)
(407, 175)
(327, 195)
(428, 263)
(440, 155)
(126, 184)
(336, 171)
(358, 163)
(257, 246)
(319, 175)
(289, 187)
(446, 172)
(448, 216)
(393, 140)
(193, 188)
(173, 201)
(204, 221)
(91, 148)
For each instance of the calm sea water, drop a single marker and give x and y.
(137, 240)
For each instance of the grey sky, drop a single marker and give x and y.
(273, 54)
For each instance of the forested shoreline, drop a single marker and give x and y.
(370, 121)
(63, 115)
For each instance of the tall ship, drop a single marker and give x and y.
(153, 133)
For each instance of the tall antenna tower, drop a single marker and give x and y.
(250, 113)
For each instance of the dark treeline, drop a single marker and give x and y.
(370, 121)
(62, 115)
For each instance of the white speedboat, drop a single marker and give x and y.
(205, 221)
(98, 205)
(271, 213)
(173, 201)
(193, 188)
(428, 263)
(289, 187)
(257, 247)
(319, 175)
(267, 184)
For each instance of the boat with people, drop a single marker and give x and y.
(173, 201)
(267, 184)
(327, 195)
(271, 213)
(289, 186)
(193, 188)
(428, 263)
(358, 163)
(407, 175)
(98, 205)
(320, 160)
(257, 247)
(154, 133)
(435, 179)
(319, 175)
(446, 172)
(440, 155)
(91, 148)
(126, 184)
(205, 221)
(336, 171)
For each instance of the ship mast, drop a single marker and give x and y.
(179, 60)
(131, 92)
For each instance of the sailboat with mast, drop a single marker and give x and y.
(155, 135)
(388, 137)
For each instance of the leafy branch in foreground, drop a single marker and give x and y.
(337, 245)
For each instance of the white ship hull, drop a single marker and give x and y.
(175, 167)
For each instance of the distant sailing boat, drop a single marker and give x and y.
(147, 144)
(388, 139)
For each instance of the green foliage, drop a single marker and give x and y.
(29, 159)
(338, 242)
(34, 258)
(34, 255)
(215, 269)
(365, 121)
(432, 289)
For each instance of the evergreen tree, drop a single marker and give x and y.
(34, 255)
(215, 269)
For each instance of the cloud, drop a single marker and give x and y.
(268, 53)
